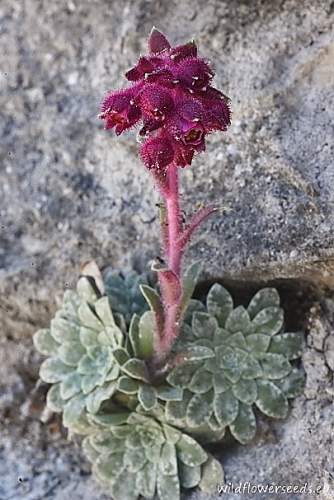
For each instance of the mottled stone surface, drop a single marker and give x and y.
(71, 192)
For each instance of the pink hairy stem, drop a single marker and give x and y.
(173, 216)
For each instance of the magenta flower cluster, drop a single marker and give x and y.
(172, 96)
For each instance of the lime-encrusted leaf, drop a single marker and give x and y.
(135, 368)
(212, 476)
(190, 452)
(225, 407)
(267, 297)
(238, 321)
(243, 428)
(271, 400)
(54, 401)
(275, 366)
(147, 396)
(219, 303)
(199, 409)
(189, 281)
(54, 370)
(45, 343)
(288, 344)
(268, 321)
(245, 391)
(203, 325)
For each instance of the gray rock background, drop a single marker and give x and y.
(70, 192)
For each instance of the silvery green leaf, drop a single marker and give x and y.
(219, 303)
(275, 366)
(152, 435)
(147, 396)
(45, 343)
(212, 365)
(231, 361)
(237, 340)
(189, 476)
(88, 317)
(54, 401)
(258, 342)
(293, 384)
(97, 360)
(127, 385)
(271, 400)
(172, 434)
(145, 338)
(71, 302)
(182, 374)
(108, 466)
(88, 337)
(89, 382)
(63, 330)
(136, 368)
(215, 425)
(73, 410)
(190, 452)
(251, 368)
(71, 352)
(267, 297)
(153, 453)
(88, 450)
(189, 281)
(111, 420)
(105, 442)
(133, 440)
(168, 487)
(134, 334)
(103, 310)
(168, 462)
(80, 425)
(239, 321)
(70, 386)
(54, 370)
(134, 459)
(243, 428)
(176, 410)
(146, 480)
(199, 409)
(204, 325)
(221, 337)
(168, 393)
(198, 352)
(86, 289)
(121, 356)
(220, 382)
(124, 293)
(152, 298)
(289, 344)
(100, 394)
(113, 373)
(201, 381)
(204, 343)
(245, 391)
(111, 335)
(193, 306)
(268, 321)
(225, 407)
(212, 476)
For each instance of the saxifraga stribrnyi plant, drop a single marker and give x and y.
(144, 372)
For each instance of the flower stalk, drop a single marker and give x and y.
(172, 96)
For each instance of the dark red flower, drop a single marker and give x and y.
(119, 110)
(171, 93)
(157, 152)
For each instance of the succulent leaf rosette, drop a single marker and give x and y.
(147, 374)
(247, 363)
